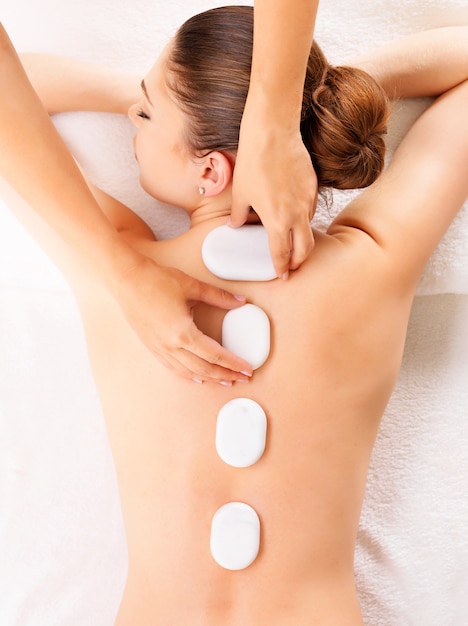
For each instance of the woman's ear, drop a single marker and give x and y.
(216, 173)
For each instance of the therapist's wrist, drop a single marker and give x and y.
(267, 108)
(272, 128)
(110, 257)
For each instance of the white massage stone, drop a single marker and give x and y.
(238, 253)
(241, 432)
(235, 536)
(246, 332)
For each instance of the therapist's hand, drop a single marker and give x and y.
(274, 176)
(158, 303)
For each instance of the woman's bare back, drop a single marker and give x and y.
(337, 334)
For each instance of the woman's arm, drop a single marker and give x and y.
(409, 208)
(156, 301)
(273, 171)
(423, 64)
(65, 84)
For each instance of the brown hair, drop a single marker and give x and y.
(344, 111)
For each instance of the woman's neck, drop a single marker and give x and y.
(217, 208)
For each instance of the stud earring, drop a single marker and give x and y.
(201, 191)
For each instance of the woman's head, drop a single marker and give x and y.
(163, 156)
(344, 111)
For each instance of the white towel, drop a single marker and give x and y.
(62, 548)
(412, 550)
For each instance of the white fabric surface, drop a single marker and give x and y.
(62, 549)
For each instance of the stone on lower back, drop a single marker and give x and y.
(235, 536)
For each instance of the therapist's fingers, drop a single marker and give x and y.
(199, 291)
(188, 365)
(207, 360)
(158, 303)
(202, 359)
(280, 249)
(191, 349)
(302, 242)
(240, 211)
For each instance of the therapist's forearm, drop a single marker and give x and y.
(283, 34)
(56, 189)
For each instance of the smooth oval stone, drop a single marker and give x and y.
(241, 432)
(238, 253)
(246, 332)
(235, 536)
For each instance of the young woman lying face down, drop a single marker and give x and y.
(337, 326)
(194, 96)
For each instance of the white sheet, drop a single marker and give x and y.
(62, 551)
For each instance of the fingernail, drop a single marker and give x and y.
(241, 380)
(197, 380)
(228, 221)
(240, 298)
(246, 373)
(226, 383)
(285, 276)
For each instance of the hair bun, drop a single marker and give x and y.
(343, 127)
